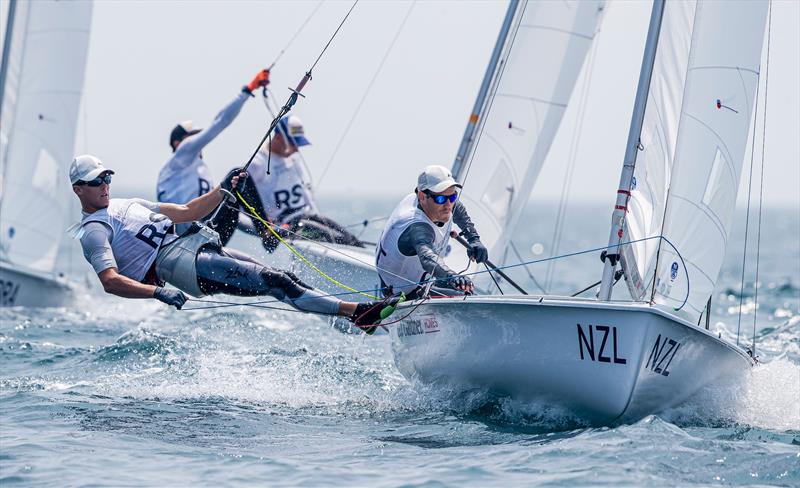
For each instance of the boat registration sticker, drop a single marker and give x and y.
(424, 324)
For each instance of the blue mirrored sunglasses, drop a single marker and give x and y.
(440, 199)
(97, 181)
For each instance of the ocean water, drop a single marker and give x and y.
(123, 392)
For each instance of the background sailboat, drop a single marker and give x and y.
(43, 64)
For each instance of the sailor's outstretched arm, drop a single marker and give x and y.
(197, 208)
(122, 286)
(191, 147)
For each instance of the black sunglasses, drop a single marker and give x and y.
(97, 181)
(440, 199)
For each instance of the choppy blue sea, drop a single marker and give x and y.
(116, 392)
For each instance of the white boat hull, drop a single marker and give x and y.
(30, 289)
(604, 362)
(351, 266)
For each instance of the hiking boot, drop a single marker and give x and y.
(369, 314)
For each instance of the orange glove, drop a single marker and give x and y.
(261, 79)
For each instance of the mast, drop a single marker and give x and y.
(6, 51)
(467, 141)
(631, 151)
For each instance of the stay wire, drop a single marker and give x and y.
(746, 227)
(527, 270)
(366, 93)
(761, 191)
(334, 35)
(573, 156)
(296, 34)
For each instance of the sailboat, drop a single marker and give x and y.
(41, 79)
(611, 360)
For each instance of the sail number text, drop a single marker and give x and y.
(595, 344)
(8, 293)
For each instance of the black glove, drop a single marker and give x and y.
(478, 251)
(455, 282)
(170, 297)
(227, 184)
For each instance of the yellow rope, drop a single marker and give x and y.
(296, 253)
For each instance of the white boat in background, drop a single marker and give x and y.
(41, 79)
(614, 361)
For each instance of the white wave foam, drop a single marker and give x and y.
(766, 397)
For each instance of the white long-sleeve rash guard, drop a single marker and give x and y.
(186, 175)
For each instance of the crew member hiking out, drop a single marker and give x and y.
(186, 175)
(282, 197)
(413, 239)
(132, 247)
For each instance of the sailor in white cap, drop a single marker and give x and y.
(413, 239)
(186, 175)
(134, 250)
(282, 196)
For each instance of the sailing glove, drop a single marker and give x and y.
(175, 298)
(477, 251)
(261, 79)
(456, 282)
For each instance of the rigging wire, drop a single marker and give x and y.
(527, 270)
(366, 93)
(746, 229)
(222, 304)
(761, 191)
(573, 156)
(296, 34)
(334, 35)
(307, 176)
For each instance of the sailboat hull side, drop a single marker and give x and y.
(23, 289)
(351, 266)
(595, 360)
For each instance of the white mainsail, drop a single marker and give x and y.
(46, 60)
(686, 184)
(543, 55)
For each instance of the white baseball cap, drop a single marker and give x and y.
(86, 168)
(292, 127)
(435, 178)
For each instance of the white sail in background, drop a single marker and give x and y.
(41, 97)
(543, 56)
(717, 100)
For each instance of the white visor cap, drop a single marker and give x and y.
(86, 168)
(436, 178)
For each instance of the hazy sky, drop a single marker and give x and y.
(152, 64)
